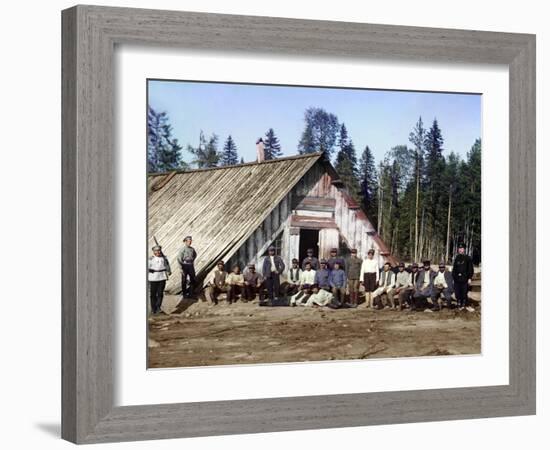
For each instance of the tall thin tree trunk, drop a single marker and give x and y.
(449, 225)
(416, 208)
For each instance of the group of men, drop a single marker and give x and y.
(334, 282)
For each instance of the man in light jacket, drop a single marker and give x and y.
(442, 283)
(386, 285)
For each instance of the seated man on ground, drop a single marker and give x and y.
(403, 285)
(218, 284)
(235, 283)
(423, 288)
(252, 284)
(292, 286)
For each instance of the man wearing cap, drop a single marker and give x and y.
(369, 277)
(218, 284)
(403, 285)
(423, 287)
(442, 283)
(353, 264)
(463, 271)
(272, 269)
(294, 273)
(252, 283)
(310, 259)
(235, 284)
(386, 284)
(186, 260)
(159, 271)
(322, 275)
(334, 258)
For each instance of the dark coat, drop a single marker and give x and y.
(463, 268)
(266, 267)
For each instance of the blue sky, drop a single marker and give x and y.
(377, 118)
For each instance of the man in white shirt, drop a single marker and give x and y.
(307, 282)
(403, 285)
(442, 284)
(159, 271)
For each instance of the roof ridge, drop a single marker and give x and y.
(268, 161)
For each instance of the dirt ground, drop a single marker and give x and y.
(201, 334)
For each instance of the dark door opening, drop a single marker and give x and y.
(308, 239)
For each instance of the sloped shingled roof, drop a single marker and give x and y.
(218, 207)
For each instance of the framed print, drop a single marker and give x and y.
(290, 223)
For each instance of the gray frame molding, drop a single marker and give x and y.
(89, 36)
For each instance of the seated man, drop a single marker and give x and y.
(337, 281)
(386, 285)
(235, 283)
(322, 276)
(292, 286)
(403, 285)
(442, 283)
(252, 284)
(306, 284)
(423, 288)
(218, 284)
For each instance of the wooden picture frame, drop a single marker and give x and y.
(90, 34)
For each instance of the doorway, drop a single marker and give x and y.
(308, 239)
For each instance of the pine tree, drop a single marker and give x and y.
(163, 151)
(417, 137)
(369, 185)
(229, 156)
(320, 132)
(272, 147)
(347, 171)
(206, 153)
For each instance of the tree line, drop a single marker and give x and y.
(421, 200)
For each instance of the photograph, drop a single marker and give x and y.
(290, 224)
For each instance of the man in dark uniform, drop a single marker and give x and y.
(463, 271)
(186, 260)
(334, 258)
(310, 259)
(272, 269)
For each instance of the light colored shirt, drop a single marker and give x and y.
(273, 266)
(403, 279)
(234, 278)
(158, 264)
(370, 266)
(307, 277)
(440, 279)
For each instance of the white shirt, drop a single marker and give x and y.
(370, 266)
(157, 263)
(440, 279)
(273, 266)
(307, 277)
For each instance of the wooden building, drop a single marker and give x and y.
(235, 213)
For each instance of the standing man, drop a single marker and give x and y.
(159, 271)
(186, 260)
(252, 283)
(354, 264)
(386, 284)
(403, 284)
(463, 271)
(310, 259)
(370, 276)
(322, 280)
(272, 269)
(334, 258)
(442, 284)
